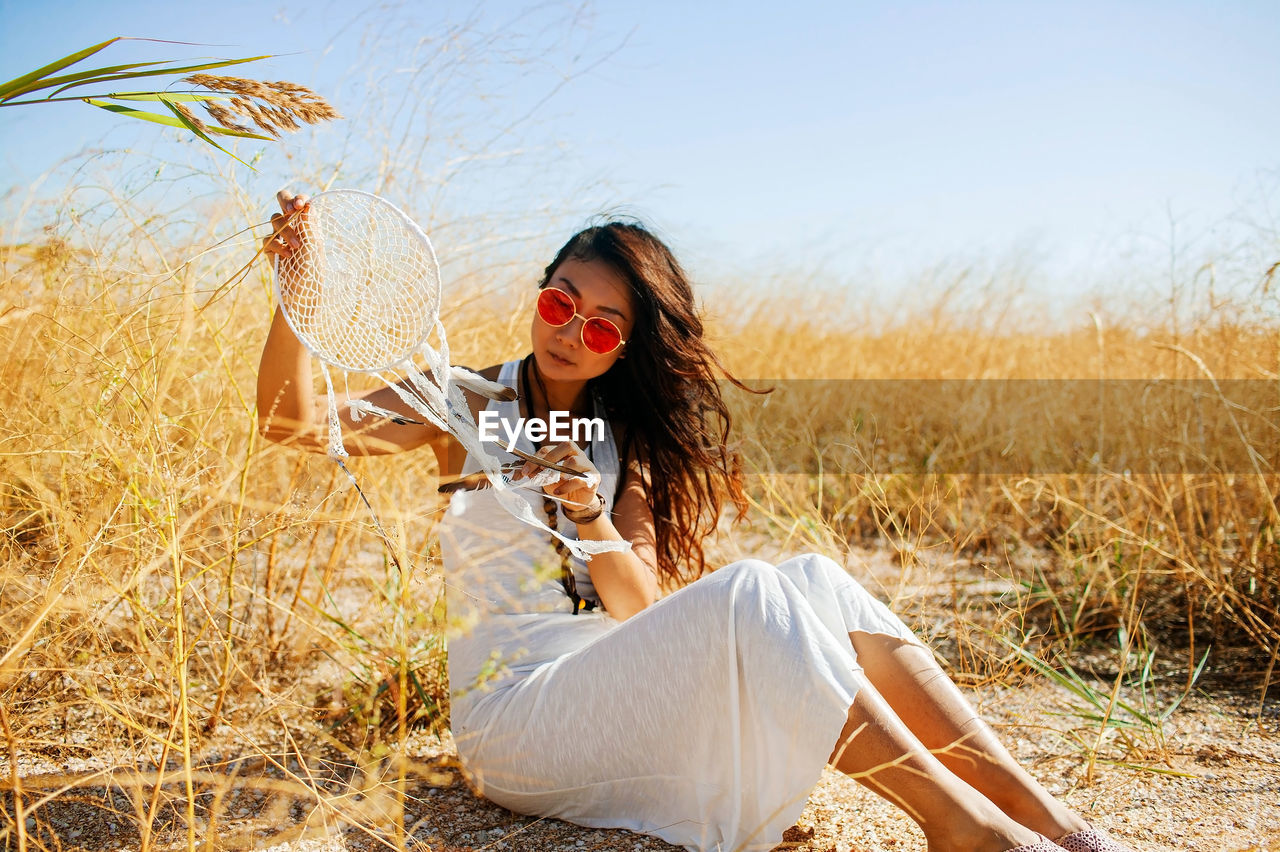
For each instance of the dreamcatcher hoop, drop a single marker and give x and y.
(335, 291)
(362, 293)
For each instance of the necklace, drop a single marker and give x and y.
(567, 581)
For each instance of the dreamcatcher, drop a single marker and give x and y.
(363, 295)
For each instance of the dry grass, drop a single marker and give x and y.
(190, 618)
(1146, 462)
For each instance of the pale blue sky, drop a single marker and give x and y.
(835, 137)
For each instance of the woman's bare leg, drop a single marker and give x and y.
(938, 715)
(877, 749)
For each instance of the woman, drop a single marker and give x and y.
(703, 718)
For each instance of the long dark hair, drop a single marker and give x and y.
(666, 394)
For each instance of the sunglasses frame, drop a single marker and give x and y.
(582, 332)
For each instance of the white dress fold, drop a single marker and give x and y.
(704, 720)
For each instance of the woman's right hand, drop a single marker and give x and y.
(285, 237)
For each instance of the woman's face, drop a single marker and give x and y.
(598, 291)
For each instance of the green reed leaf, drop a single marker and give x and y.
(7, 89)
(171, 120)
(187, 123)
(104, 72)
(183, 69)
(143, 115)
(174, 97)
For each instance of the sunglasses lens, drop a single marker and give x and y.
(601, 336)
(555, 306)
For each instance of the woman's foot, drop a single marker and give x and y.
(1044, 814)
(981, 827)
(1090, 840)
(1041, 845)
(988, 844)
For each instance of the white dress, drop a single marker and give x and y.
(704, 720)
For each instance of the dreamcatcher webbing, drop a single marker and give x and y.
(362, 293)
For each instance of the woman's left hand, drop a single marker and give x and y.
(578, 493)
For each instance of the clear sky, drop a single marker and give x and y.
(834, 137)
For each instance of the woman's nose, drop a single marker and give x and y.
(571, 332)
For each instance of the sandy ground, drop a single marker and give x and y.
(1217, 789)
(1225, 797)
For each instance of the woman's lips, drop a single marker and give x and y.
(563, 362)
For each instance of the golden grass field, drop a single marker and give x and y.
(188, 611)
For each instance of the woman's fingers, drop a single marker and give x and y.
(290, 204)
(272, 245)
(566, 455)
(286, 234)
(576, 492)
(577, 499)
(285, 237)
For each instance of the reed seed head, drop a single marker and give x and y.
(271, 106)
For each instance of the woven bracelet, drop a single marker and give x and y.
(588, 514)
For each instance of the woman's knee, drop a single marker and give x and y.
(819, 575)
(751, 587)
(756, 587)
(751, 573)
(813, 567)
(824, 582)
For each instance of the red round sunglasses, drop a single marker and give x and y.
(557, 308)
